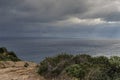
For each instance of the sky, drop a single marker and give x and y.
(98, 19)
(24, 24)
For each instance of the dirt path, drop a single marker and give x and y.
(19, 73)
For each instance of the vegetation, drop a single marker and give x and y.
(52, 67)
(80, 67)
(76, 70)
(69, 67)
(7, 56)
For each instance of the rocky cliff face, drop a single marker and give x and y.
(20, 70)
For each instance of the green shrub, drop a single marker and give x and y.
(115, 61)
(82, 58)
(97, 74)
(12, 54)
(7, 56)
(100, 61)
(53, 66)
(42, 69)
(76, 70)
(82, 67)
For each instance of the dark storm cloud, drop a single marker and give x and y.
(44, 11)
(28, 11)
(38, 28)
(51, 10)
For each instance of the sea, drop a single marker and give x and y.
(37, 49)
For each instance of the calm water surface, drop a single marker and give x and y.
(35, 49)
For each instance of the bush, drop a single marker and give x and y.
(53, 66)
(82, 67)
(42, 69)
(100, 61)
(7, 56)
(115, 61)
(76, 70)
(97, 74)
(12, 54)
(82, 58)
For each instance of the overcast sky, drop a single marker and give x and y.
(96, 19)
(36, 28)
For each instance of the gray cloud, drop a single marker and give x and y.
(57, 9)
(48, 27)
(39, 11)
(44, 11)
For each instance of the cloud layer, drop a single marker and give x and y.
(44, 18)
(44, 11)
(38, 28)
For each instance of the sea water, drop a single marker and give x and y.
(36, 49)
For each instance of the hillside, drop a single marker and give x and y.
(12, 68)
(61, 67)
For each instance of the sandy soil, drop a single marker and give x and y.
(17, 71)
